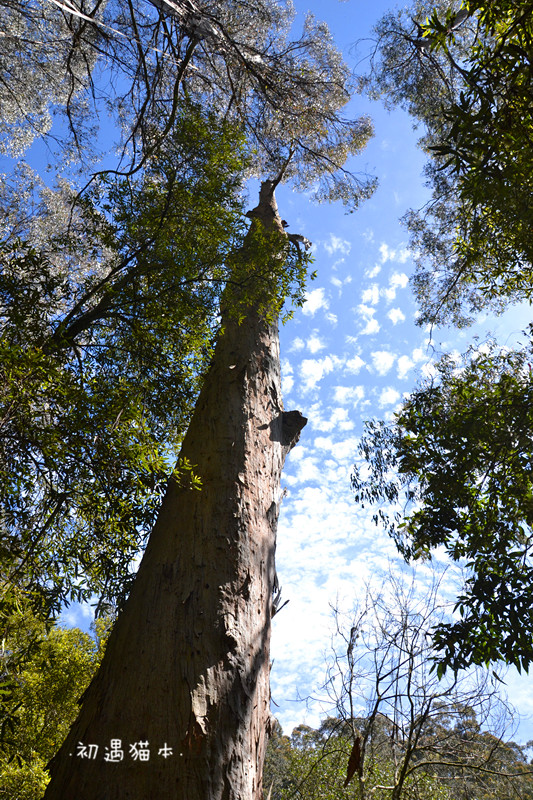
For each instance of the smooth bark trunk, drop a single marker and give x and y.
(187, 664)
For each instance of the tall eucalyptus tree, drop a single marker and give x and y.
(187, 668)
(201, 96)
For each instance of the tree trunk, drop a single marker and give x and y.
(185, 677)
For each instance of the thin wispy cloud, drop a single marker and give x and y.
(336, 245)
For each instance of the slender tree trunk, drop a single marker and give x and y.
(186, 669)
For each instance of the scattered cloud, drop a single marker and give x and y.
(348, 394)
(314, 300)
(287, 384)
(404, 365)
(78, 615)
(382, 361)
(339, 284)
(354, 364)
(401, 255)
(297, 344)
(398, 280)
(312, 370)
(315, 343)
(396, 315)
(371, 295)
(372, 326)
(367, 314)
(287, 377)
(418, 354)
(337, 245)
(388, 397)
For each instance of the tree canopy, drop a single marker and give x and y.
(98, 379)
(47, 670)
(134, 62)
(465, 72)
(457, 460)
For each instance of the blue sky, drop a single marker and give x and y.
(351, 354)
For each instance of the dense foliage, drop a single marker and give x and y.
(465, 72)
(311, 763)
(48, 671)
(98, 378)
(458, 456)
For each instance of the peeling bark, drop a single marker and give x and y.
(187, 663)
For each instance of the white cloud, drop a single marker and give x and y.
(287, 383)
(287, 378)
(286, 366)
(337, 245)
(313, 370)
(314, 300)
(78, 615)
(429, 370)
(367, 313)
(297, 344)
(307, 470)
(418, 354)
(348, 394)
(398, 280)
(354, 364)
(387, 254)
(314, 343)
(388, 397)
(382, 361)
(374, 272)
(371, 295)
(372, 326)
(338, 283)
(404, 365)
(396, 315)
(339, 420)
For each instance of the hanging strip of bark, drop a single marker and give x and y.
(180, 706)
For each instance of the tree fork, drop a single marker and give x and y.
(187, 664)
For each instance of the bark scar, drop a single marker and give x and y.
(292, 423)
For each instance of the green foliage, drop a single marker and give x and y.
(49, 668)
(467, 75)
(105, 333)
(264, 274)
(459, 454)
(314, 767)
(486, 144)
